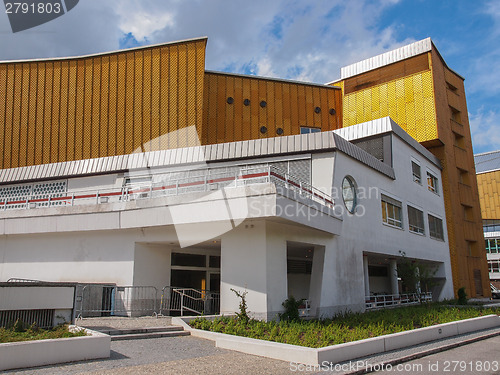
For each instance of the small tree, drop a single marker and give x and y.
(415, 275)
(243, 314)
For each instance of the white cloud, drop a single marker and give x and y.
(290, 39)
(485, 130)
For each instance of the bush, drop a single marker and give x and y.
(291, 306)
(462, 296)
(346, 327)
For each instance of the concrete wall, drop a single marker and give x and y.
(101, 256)
(365, 232)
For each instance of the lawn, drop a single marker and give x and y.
(343, 328)
(19, 334)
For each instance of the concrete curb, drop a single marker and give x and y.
(424, 353)
(342, 352)
(24, 354)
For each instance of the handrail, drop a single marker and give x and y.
(127, 193)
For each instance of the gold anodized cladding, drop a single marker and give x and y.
(111, 104)
(408, 100)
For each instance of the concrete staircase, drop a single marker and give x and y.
(144, 333)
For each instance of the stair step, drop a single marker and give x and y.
(151, 335)
(128, 331)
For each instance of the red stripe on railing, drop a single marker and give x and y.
(167, 187)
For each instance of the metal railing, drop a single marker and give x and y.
(204, 183)
(182, 301)
(95, 300)
(392, 300)
(111, 300)
(18, 280)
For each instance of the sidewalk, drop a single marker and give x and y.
(113, 322)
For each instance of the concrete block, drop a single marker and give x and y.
(476, 324)
(47, 352)
(350, 350)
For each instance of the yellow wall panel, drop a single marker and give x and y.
(69, 109)
(103, 113)
(407, 100)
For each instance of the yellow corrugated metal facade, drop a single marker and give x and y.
(489, 194)
(110, 104)
(409, 101)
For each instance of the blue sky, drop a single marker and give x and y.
(306, 40)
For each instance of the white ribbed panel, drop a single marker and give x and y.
(387, 58)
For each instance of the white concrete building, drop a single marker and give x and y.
(314, 216)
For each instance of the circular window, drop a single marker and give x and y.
(349, 193)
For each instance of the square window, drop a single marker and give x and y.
(432, 183)
(415, 168)
(436, 228)
(415, 220)
(391, 212)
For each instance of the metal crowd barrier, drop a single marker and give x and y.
(382, 301)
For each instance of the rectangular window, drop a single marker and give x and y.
(415, 220)
(391, 212)
(415, 168)
(432, 183)
(494, 266)
(436, 228)
(307, 130)
(492, 245)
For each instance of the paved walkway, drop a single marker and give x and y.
(190, 355)
(124, 323)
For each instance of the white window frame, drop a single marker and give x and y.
(420, 231)
(442, 226)
(419, 180)
(391, 220)
(310, 129)
(435, 189)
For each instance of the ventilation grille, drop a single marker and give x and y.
(299, 266)
(42, 318)
(374, 146)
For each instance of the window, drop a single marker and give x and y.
(494, 266)
(415, 168)
(432, 183)
(436, 228)
(415, 220)
(349, 194)
(391, 212)
(307, 130)
(492, 245)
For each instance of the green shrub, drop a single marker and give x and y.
(462, 296)
(345, 327)
(291, 306)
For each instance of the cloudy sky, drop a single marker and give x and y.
(297, 39)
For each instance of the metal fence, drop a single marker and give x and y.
(188, 301)
(207, 181)
(43, 318)
(110, 300)
(95, 300)
(392, 300)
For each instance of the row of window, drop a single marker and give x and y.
(392, 214)
(432, 181)
(494, 266)
(492, 245)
